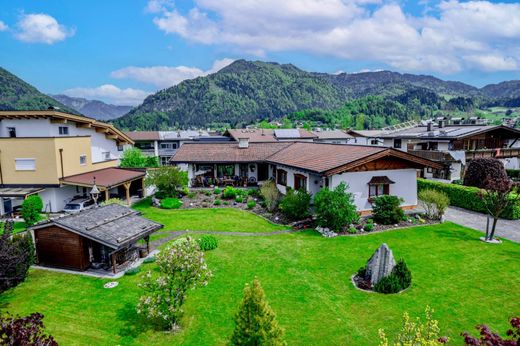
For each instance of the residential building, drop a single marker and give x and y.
(450, 142)
(270, 135)
(333, 136)
(369, 171)
(164, 144)
(45, 152)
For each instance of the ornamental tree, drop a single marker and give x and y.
(498, 193)
(27, 330)
(169, 181)
(490, 338)
(181, 267)
(31, 209)
(134, 158)
(335, 208)
(479, 170)
(16, 256)
(255, 321)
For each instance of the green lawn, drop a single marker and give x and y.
(307, 281)
(18, 227)
(210, 219)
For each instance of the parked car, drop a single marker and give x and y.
(77, 205)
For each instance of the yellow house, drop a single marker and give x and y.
(45, 152)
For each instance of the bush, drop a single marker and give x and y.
(31, 209)
(229, 193)
(295, 204)
(369, 227)
(352, 230)
(398, 280)
(113, 201)
(191, 195)
(270, 194)
(134, 158)
(335, 208)
(17, 253)
(217, 191)
(239, 199)
(132, 271)
(149, 260)
(434, 203)
(207, 242)
(170, 181)
(171, 203)
(513, 173)
(466, 197)
(27, 330)
(386, 209)
(251, 204)
(480, 170)
(489, 338)
(217, 202)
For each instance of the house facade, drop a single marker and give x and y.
(40, 150)
(368, 171)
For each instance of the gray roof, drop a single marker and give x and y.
(182, 134)
(331, 134)
(113, 225)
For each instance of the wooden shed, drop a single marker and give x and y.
(103, 237)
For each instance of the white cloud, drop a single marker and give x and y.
(167, 76)
(41, 28)
(450, 36)
(3, 26)
(110, 94)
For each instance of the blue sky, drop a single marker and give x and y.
(121, 50)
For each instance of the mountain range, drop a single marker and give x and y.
(93, 108)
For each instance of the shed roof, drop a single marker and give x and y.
(106, 177)
(113, 225)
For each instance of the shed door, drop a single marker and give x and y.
(57, 247)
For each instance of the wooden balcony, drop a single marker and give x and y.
(500, 153)
(433, 155)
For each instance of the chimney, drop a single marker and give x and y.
(429, 127)
(243, 143)
(441, 123)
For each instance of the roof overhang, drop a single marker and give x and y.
(105, 178)
(19, 191)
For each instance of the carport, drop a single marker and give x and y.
(10, 194)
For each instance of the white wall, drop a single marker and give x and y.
(405, 185)
(55, 198)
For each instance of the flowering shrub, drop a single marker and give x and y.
(181, 267)
(487, 337)
(416, 333)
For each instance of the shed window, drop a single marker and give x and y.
(25, 164)
(300, 182)
(281, 177)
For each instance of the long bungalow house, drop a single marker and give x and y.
(369, 171)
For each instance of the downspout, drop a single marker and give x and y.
(61, 162)
(1, 175)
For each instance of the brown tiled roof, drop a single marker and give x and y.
(143, 135)
(265, 135)
(106, 177)
(321, 157)
(226, 152)
(381, 179)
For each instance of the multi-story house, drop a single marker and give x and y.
(164, 144)
(453, 142)
(60, 156)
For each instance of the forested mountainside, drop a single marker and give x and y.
(93, 108)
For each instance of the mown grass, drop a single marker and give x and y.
(307, 282)
(208, 219)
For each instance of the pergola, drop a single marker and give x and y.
(106, 179)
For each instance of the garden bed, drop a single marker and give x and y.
(412, 220)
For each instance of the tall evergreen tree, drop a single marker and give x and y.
(255, 321)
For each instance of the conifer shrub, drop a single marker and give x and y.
(398, 280)
(335, 208)
(386, 209)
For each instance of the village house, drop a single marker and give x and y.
(369, 171)
(58, 156)
(101, 238)
(452, 142)
(270, 135)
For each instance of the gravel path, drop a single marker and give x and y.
(508, 229)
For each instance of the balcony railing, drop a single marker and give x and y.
(434, 155)
(499, 153)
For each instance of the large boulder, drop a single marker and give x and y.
(380, 264)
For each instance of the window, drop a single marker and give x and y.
(83, 160)
(397, 143)
(105, 155)
(374, 142)
(168, 145)
(300, 182)
(378, 190)
(120, 148)
(281, 177)
(165, 160)
(64, 130)
(25, 164)
(11, 132)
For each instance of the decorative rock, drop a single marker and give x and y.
(111, 284)
(156, 202)
(380, 264)
(327, 233)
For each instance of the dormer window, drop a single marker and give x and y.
(64, 130)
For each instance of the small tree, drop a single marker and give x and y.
(27, 330)
(134, 158)
(31, 209)
(16, 256)
(387, 210)
(181, 267)
(434, 203)
(255, 321)
(169, 181)
(295, 204)
(498, 193)
(271, 194)
(489, 338)
(335, 208)
(480, 170)
(416, 333)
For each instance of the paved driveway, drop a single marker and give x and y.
(509, 229)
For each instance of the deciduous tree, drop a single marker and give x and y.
(23, 331)
(489, 338)
(16, 256)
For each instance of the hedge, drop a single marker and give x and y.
(513, 173)
(465, 197)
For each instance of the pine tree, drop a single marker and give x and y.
(255, 322)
